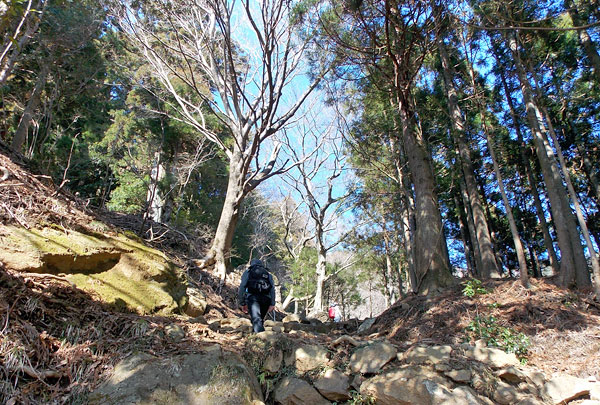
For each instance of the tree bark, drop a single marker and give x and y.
(463, 235)
(487, 258)
(221, 246)
(530, 178)
(321, 272)
(584, 39)
(432, 267)
(390, 295)
(30, 110)
(471, 228)
(588, 166)
(582, 275)
(520, 251)
(511, 219)
(571, 250)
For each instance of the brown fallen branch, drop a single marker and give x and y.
(40, 375)
(592, 303)
(347, 339)
(13, 216)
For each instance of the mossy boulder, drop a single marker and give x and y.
(118, 269)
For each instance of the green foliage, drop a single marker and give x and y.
(359, 399)
(507, 339)
(302, 272)
(473, 287)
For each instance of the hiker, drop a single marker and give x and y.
(257, 294)
(334, 313)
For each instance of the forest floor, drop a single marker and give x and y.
(56, 342)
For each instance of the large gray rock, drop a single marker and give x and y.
(493, 357)
(370, 359)
(210, 377)
(291, 318)
(197, 303)
(294, 391)
(414, 385)
(235, 325)
(506, 394)
(175, 332)
(334, 385)
(307, 357)
(426, 354)
(460, 376)
(367, 323)
(565, 388)
(273, 361)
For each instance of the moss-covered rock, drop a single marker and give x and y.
(118, 269)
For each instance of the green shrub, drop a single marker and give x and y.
(473, 287)
(507, 339)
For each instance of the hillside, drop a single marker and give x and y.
(58, 342)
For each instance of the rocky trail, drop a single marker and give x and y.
(91, 313)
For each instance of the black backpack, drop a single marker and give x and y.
(258, 280)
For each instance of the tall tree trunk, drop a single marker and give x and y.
(221, 246)
(471, 228)
(488, 261)
(154, 199)
(431, 261)
(530, 178)
(507, 207)
(11, 46)
(30, 110)
(407, 214)
(389, 271)
(570, 248)
(511, 219)
(582, 275)
(589, 169)
(321, 275)
(584, 39)
(463, 235)
(535, 265)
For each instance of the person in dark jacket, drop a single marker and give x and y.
(257, 294)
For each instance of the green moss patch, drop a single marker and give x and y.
(118, 269)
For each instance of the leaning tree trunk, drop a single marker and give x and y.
(30, 109)
(590, 170)
(572, 256)
(582, 275)
(584, 39)
(221, 246)
(487, 258)
(432, 266)
(526, 168)
(509, 214)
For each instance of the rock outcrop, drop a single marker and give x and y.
(210, 377)
(117, 268)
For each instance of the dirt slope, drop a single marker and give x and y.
(563, 326)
